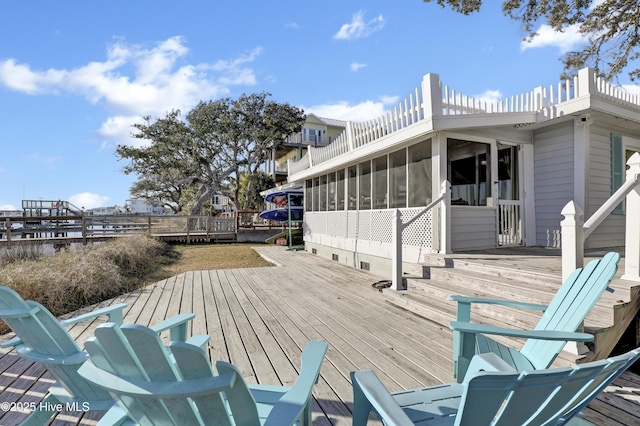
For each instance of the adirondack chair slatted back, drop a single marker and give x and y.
(45, 338)
(573, 302)
(537, 397)
(136, 353)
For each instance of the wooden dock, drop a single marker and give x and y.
(260, 319)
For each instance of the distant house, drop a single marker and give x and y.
(509, 168)
(137, 206)
(316, 132)
(222, 203)
(105, 211)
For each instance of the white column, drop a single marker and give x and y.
(632, 232)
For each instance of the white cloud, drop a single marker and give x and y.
(7, 207)
(358, 28)
(87, 200)
(632, 89)
(293, 25)
(355, 66)
(159, 81)
(50, 162)
(547, 36)
(366, 110)
(489, 96)
(390, 100)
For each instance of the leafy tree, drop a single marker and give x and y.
(261, 181)
(187, 161)
(610, 27)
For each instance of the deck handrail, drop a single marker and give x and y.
(397, 282)
(575, 231)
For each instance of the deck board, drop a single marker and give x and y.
(261, 318)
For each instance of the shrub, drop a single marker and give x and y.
(71, 279)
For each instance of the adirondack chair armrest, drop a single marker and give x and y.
(465, 327)
(370, 394)
(177, 326)
(114, 313)
(155, 389)
(291, 406)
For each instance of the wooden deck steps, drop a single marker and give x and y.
(526, 275)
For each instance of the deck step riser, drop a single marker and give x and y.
(491, 286)
(544, 281)
(437, 299)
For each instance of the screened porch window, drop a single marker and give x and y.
(419, 174)
(308, 195)
(340, 189)
(364, 185)
(380, 183)
(398, 179)
(352, 184)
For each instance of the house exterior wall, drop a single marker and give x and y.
(610, 232)
(473, 227)
(554, 179)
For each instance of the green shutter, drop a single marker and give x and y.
(617, 167)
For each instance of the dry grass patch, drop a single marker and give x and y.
(69, 280)
(203, 257)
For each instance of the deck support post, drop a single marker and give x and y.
(632, 232)
(397, 282)
(572, 239)
(573, 255)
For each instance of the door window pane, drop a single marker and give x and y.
(469, 168)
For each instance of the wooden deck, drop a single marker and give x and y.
(260, 319)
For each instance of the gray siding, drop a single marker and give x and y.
(610, 232)
(553, 171)
(473, 228)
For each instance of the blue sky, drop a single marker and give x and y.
(74, 75)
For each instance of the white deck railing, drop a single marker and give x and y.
(574, 231)
(433, 99)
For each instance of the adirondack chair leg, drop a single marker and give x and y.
(464, 348)
(361, 405)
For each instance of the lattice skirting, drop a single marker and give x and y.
(370, 232)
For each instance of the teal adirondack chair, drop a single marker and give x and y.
(492, 393)
(154, 387)
(40, 337)
(558, 324)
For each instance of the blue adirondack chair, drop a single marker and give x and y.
(154, 387)
(492, 393)
(558, 324)
(40, 337)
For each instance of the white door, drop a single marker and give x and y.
(510, 206)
